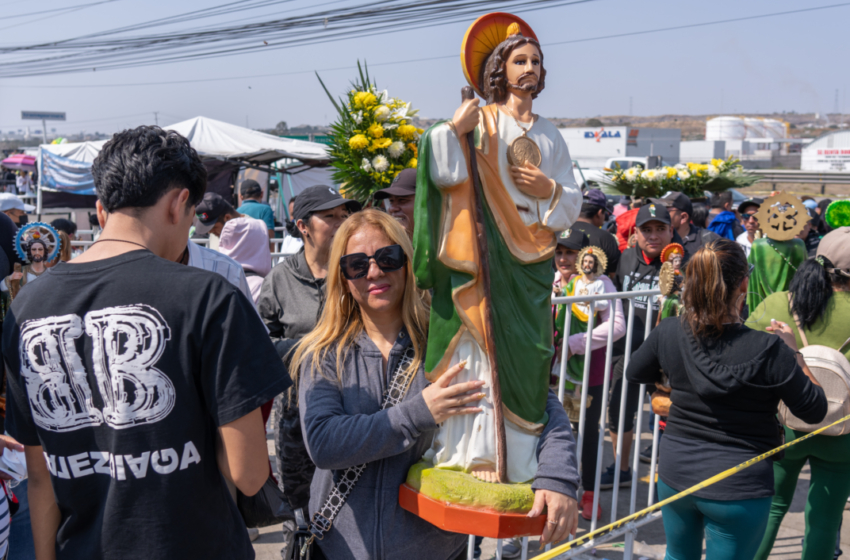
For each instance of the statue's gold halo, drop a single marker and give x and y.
(601, 259)
(782, 216)
(666, 279)
(482, 38)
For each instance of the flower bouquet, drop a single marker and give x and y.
(372, 139)
(691, 179)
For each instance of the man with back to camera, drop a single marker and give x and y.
(399, 198)
(681, 209)
(638, 270)
(594, 212)
(253, 205)
(155, 395)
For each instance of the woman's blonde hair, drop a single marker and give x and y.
(341, 321)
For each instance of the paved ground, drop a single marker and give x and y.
(650, 541)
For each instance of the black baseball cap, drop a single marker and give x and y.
(652, 213)
(403, 185)
(757, 202)
(250, 187)
(595, 197)
(678, 201)
(209, 210)
(320, 197)
(574, 239)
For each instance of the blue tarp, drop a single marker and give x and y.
(65, 174)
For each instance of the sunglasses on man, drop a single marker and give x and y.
(388, 259)
(747, 217)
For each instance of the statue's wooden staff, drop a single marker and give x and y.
(484, 274)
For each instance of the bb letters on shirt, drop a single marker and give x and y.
(127, 341)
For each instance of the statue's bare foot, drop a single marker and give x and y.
(486, 474)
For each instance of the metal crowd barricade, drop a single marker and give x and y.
(629, 530)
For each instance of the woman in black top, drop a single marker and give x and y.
(727, 381)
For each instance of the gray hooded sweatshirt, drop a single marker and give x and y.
(344, 426)
(291, 301)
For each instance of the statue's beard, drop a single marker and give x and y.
(527, 82)
(588, 270)
(37, 258)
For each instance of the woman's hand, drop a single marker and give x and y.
(466, 118)
(445, 401)
(783, 331)
(10, 443)
(561, 518)
(531, 181)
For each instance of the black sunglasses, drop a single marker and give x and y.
(388, 259)
(746, 217)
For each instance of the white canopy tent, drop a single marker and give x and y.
(66, 167)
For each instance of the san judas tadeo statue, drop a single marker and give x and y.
(495, 186)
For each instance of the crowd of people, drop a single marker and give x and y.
(192, 350)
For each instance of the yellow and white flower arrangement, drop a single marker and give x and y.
(692, 179)
(372, 140)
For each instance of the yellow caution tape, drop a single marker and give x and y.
(699, 486)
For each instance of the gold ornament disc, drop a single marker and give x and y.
(666, 279)
(782, 216)
(523, 150)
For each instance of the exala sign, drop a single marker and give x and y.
(601, 133)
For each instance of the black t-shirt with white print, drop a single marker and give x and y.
(122, 370)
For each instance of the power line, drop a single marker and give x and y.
(53, 11)
(408, 61)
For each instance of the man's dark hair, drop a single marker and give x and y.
(63, 224)
(700, 215)
(589, 211)
(720, 200)
(136, 167)
(494, 79)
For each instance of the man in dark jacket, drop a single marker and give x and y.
(637, 271)
(681, 209)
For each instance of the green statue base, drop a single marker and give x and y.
(459, 488)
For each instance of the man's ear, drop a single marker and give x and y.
(101, 214)
(179, 206)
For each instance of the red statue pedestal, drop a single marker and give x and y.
(469, 521)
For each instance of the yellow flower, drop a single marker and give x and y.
(717, 162)
(671, 172)
(364, 99)
(406, 131)
(414, 148)
(358, 142)
(376, 131)
(412, 163)
(380, 144)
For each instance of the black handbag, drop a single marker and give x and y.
(266, 507)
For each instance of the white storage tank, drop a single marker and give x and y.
(725, 128)
(775, 128)
(755, 128)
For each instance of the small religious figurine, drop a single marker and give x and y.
(670, 280)
(590, 264)
(36, 244)
(492, 308)
(778, 253)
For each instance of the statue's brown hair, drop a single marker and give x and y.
(494, 81)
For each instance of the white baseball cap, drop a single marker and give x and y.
(9, 201)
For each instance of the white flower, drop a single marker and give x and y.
(396, 149)
(404, 111)
(389, 126)
(380, 163)
(366, 166)
(357, 117)
(632, 173)
(382, 113)
(680, 166)
(683, 174)
(713, 171)
(650, 175)
(383, 97)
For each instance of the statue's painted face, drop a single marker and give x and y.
(588, 264)
(676, 261)
(523, 68)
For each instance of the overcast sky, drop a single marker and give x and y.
(792, 62)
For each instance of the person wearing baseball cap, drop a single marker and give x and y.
(253, 205)
(820, 291)
(747, 210)
(592, 216)
(681, 209)
(15, 208)
(638, 270)
(211, 213)
(399, 198)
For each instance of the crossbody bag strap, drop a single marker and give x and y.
(797, 322)
(324, 518)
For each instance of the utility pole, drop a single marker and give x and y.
(630, 106)
(156, 117)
